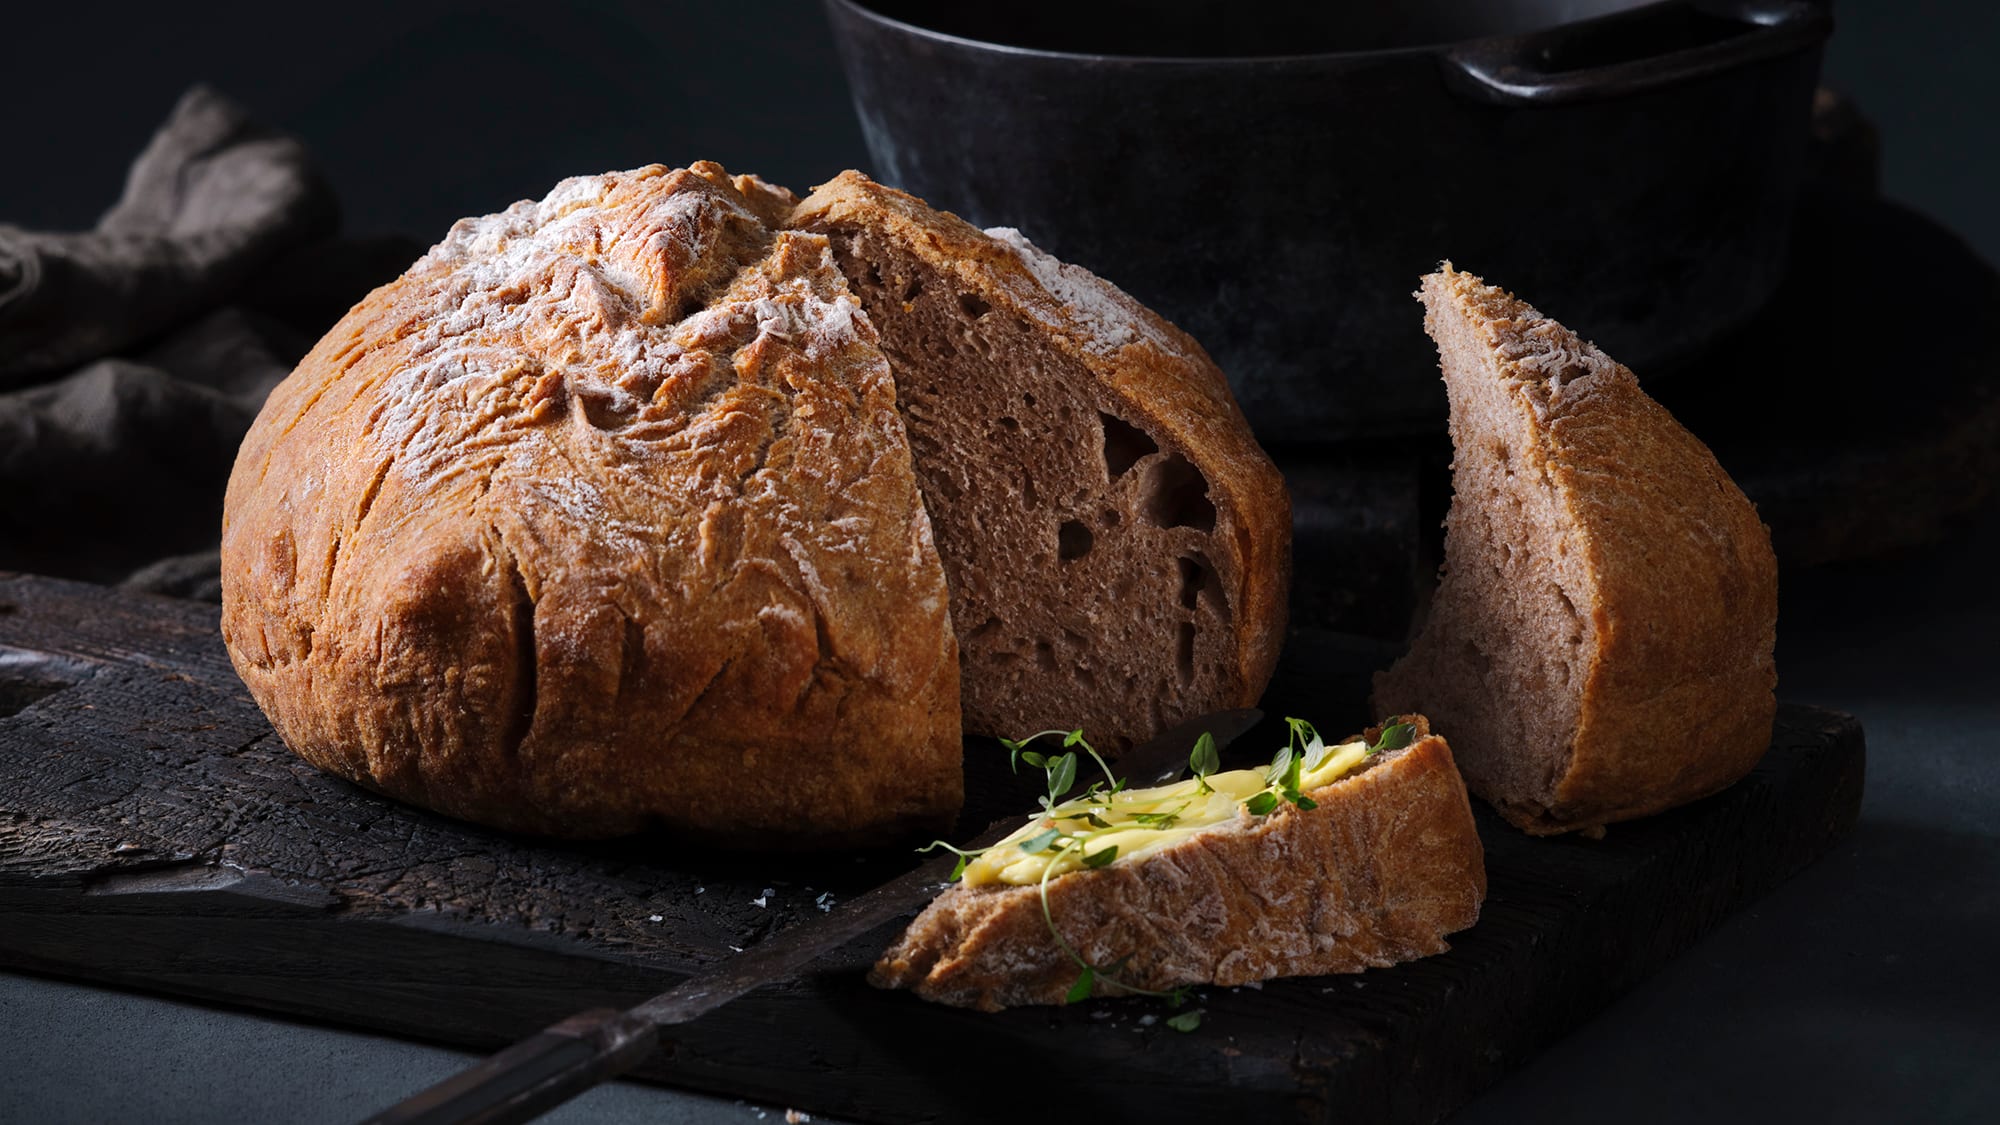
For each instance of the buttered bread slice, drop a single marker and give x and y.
(1337, 859)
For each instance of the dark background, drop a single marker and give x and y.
(424, 111)
(1862, 991)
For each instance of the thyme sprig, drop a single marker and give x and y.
(1087, 978)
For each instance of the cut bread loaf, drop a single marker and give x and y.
(1383, 868)
(1600, 645)
(607, 516)
(1116, 543)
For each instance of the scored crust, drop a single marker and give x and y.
(602, 518)
(1379, 873)
(1117, 544)
(1600, 646)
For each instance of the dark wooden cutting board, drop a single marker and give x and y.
(156, 834)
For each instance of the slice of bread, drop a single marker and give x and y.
(1600, 646)
(1384, 867)
(1116, 544)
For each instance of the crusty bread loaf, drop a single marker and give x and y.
(1117, 544)
(604, 517)
(1380, 872)
(1600, 646)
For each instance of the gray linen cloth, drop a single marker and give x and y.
(133, 357)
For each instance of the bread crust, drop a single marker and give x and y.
(1152, 374)
(1379, 873)
(1664, 557)
(602, 518)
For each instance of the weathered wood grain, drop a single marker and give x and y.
(155, 834)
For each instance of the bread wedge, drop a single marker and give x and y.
(1600, 646)
(1384, 866)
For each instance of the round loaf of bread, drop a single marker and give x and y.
(671, 501)
(602, 517)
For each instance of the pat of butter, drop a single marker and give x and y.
(1140, 821)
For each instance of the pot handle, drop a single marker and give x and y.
(1619, 54)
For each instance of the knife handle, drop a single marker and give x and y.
(533, 1076)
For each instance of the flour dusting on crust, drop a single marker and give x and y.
(1108, 319)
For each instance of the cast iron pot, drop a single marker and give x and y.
(1275, 179)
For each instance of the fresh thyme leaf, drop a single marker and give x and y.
(1305, 802)
(1034, 758)
(1301, 730)
(1205, 760)
(1100, 859)
(1081, 989)
(958, 868)
(1393, 737)
(1279, 765)
(1062, 774)
(1312, 749)
(1096, 821)
(1262, 803)
(1292, 768)
(1186, 1021)
(1040, 841)
(1073, 737)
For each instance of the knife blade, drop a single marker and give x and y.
(561, 1061)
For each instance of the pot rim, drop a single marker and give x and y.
(864, 11)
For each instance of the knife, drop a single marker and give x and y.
(563, 1060)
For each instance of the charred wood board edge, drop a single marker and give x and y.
(154, 835)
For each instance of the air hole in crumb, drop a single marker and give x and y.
(1177, 496)
(1478, 660)
(1011, 425)
(984, 632)
(1027, 398)
(1124, 445)
(1569, 606)
(1045, 656)
(1086, 678)
(974, 305)
(1112, 517)
(1194, 575)
(913, 290)
(1072, 540)
(1184, 652)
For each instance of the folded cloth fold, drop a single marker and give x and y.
(212, 198)
(134, 357)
